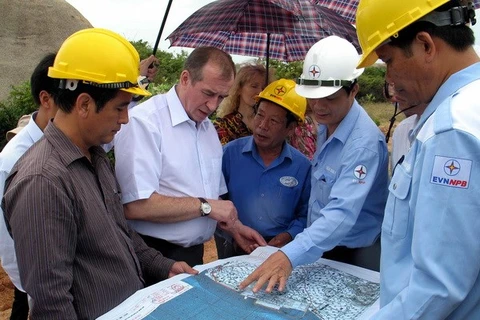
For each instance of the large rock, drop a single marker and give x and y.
(29, 29)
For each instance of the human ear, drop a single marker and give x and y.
(184, 77)
(84, 105)
(44, 98)
(427, 45)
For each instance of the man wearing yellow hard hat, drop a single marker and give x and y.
(430, 262)
(268, 180)
(77, 257)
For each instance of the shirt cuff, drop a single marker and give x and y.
(160, 267)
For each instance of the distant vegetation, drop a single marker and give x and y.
(20, 102)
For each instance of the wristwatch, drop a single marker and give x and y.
(205, 207)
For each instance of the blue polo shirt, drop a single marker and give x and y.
(271, 199)
(349, 189)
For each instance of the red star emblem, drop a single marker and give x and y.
(360, 172)
(280, 90)
(314, 71)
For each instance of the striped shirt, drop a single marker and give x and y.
(76, 254)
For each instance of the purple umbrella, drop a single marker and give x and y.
(278, 29)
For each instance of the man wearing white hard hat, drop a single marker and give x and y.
(349, 169)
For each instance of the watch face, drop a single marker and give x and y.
(206, 208)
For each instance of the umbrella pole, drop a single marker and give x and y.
(155, 47)
(267, 60)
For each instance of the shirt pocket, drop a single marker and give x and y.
(282, 208)
(323, 183)
(397, 211)
(286, 187)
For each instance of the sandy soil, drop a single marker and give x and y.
(6, 286)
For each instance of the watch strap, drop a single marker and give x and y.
(202, 200)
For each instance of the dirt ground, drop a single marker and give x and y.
(6, 286)
(6, 295)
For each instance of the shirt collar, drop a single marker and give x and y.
(178, 114)
(67, 150)
(32, 128)
(346, 126)
(251, 147)
(448, 88)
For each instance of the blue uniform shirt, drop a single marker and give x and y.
(349, 189)
(430, 262)
(271, 199)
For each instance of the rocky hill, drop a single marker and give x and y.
(29, 29)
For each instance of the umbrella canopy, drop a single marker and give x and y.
(348, 8)
(278, 29)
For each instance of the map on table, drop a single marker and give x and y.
(325, 291)
(322, 290)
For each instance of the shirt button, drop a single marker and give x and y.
(262, 195)
(394, 186)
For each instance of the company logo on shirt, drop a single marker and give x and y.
(451, 172)
(289, 181)
(360, 172)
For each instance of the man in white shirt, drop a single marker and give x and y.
(401, 138)
(168, 163)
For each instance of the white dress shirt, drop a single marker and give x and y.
(162, 150)
(401, 140)
(14, 149)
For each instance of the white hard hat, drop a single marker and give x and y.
(329, 65)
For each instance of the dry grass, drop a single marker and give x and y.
(381, 113)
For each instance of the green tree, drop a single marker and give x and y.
(18, 103)
(371, 85)
(171, 65)
(286, 70)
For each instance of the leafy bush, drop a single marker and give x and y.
(171, 65)
(290, 70)
(18, 103)
(371, 85)
(158, 88)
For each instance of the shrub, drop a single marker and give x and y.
(371, 85)
(18, 103)
(171, 65)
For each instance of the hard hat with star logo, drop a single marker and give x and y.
(282, 92)
(329, 65)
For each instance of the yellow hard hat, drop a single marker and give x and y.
(282, 92)
(101, 58)
(378, 20)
